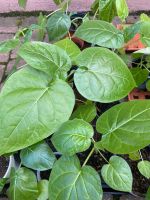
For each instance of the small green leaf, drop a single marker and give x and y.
(38, 157)
(135, 156)
(58, 26)
(139, 75)
(70, 181)
(131, 31)
(148, 85)
(23, 185)
(101, 33)
(145, 33)
(122, 9)
(47, 58)
(43, 190)
(2, 183)
(117, 174)
(22, 3)
(125, 127)
(107, 10)
(87, 112)
(139, 53)
(32, 108)
(102, 77)
(58, 2)
(73, 136)
(144, 18)
(70, 47)
(8, 45)
(144, 168)
(148, 194)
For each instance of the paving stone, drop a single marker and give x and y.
(4, 57)
(5, 36)
(27, 21)
(9, 24)
(130, 197)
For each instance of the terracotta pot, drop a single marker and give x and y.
(138, 94)
(134, 44)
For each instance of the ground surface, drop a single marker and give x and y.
(7, 6)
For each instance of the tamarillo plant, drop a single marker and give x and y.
(54, 98)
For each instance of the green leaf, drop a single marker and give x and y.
(47, 58)
(144, 18)
(22, 3)
(107, 9)
(139, 75)
(58, 26)
(148, 194)
(145, 33)
(38, 157)
(70, 181)
(102, 75)
(73, 136)
(70, 47)
(87, 112)
(32, 108)
(125, 127)
(117, 174)
(131, 31)
(122, 9)
(144, 168)
(148, 85)
(139, 53)
(2, 183)
(8, 45)
(101, 33)
(135, 156)
(43, 190)
(23, 185)
(58, 2)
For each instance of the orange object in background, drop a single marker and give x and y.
(138, 94)
(135, 43)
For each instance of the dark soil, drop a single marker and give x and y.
(4, 162)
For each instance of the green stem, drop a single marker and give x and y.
(91, 152)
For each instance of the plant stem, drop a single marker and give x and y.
(95, 13)
(88, 157)
(141, 155)
(100, 152)
(53, 12)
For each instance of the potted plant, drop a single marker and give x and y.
(53, 104)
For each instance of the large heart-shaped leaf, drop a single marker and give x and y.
(125, 127)
(70, 47)
(46, 57)
(101, 33)
(58, 26)
(144, 168)
(68, 181)
(73, 137)
(32, 108)
(102, 76)
(86, 111)
(23, 185)
(38, 157)
(117, 174)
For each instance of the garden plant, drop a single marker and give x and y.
(51, 109)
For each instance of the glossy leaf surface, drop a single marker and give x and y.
(31, 109)
(102, 76)
(73, 136)
(68, 181)
(124, 125)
